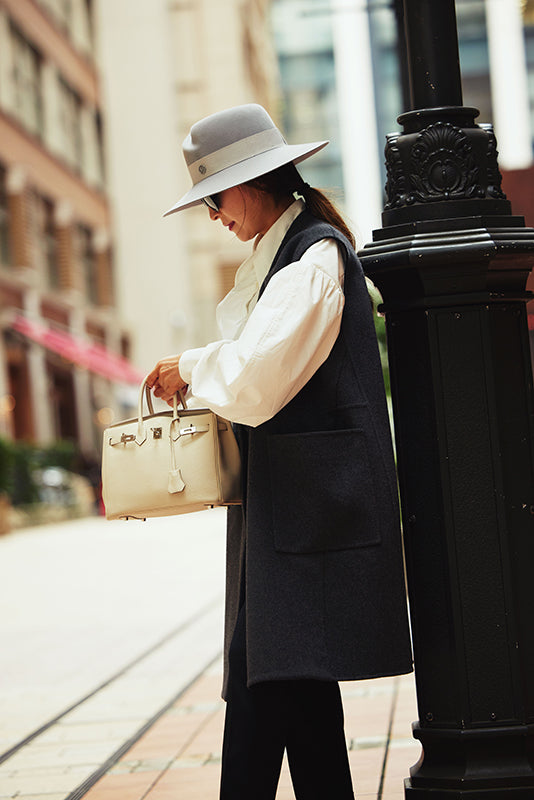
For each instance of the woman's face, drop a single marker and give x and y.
(244, 211)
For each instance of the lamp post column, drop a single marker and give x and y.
(452, 262)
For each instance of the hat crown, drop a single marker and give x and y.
(225, 128)
(234, 146)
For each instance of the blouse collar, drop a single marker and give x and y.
(266, 246)
(234, 309)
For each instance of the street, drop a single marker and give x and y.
(111, 668)
(103, 625)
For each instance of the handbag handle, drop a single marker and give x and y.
(146, 392)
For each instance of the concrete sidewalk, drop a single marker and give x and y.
(102, 626)
(107, 632)
(179, 757)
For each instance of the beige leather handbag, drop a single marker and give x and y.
(169, 462)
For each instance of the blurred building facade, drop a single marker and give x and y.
(496, 40)
(95, 100)
(95, 286)
(56, 283)
(165, 65)
(304, 41)
(496, 43)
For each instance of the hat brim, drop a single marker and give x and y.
(245, 170)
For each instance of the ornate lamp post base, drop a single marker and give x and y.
(452, 264)
(464, 765)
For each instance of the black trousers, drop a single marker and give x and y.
(304, 717)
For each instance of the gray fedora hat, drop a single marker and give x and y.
(234, 146)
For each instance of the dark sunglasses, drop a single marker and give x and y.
(212, 201)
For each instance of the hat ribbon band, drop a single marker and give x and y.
(233, 153)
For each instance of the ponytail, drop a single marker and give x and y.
(321, 207)
(286, 180)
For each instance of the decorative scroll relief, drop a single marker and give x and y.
(494, 175)
(443, 165)
(439, 164)
(396, 183)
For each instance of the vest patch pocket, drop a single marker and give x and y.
(323, 492)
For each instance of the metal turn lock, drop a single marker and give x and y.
(125, 437)
(185, 431)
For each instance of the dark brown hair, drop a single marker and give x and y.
(282, 182)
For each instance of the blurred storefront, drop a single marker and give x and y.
(164, 66)
(56, 245)
(95, 100)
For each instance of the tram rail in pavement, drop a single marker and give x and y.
(67, 749)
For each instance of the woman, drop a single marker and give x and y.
(315, 587)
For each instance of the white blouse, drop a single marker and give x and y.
(270, 347)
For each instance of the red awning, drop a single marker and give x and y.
(93, 357)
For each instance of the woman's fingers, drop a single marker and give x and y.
(152, 377)
(165, 379)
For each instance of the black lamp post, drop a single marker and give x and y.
(452, 263)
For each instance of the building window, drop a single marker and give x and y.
(74, 18)
(61, 10)
(5, 250)
(44, 240)
(71, 126)
(474, 59)
(86, 258)
(27, 90)
(50, 246)
(64, 13)
(89, 12)
(101, 162)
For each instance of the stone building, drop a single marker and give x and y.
(164, 66)
(95, 100)
(56, 284)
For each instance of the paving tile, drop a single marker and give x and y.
(57, 756)
(398, 765)
(285, 787)
(30, 784)
(126, 765)
(208, 738)
(180, 754)
(78, 772)
(216, 670)
(167, 737)
(132, 786)
(152, 765)
(205, 690)
(367, 706)
(366, 768)
(41, 796)
(193, 761)
(89, 732)
(367, 742)
(189, 784)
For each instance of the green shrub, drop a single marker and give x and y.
(19, 462)
(380, 327)
(6, 466)
(62, 454)
(24, 490)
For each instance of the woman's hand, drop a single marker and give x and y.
(165, 379)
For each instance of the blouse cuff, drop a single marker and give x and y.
(188, 361)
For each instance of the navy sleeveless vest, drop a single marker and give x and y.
(316, 550)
